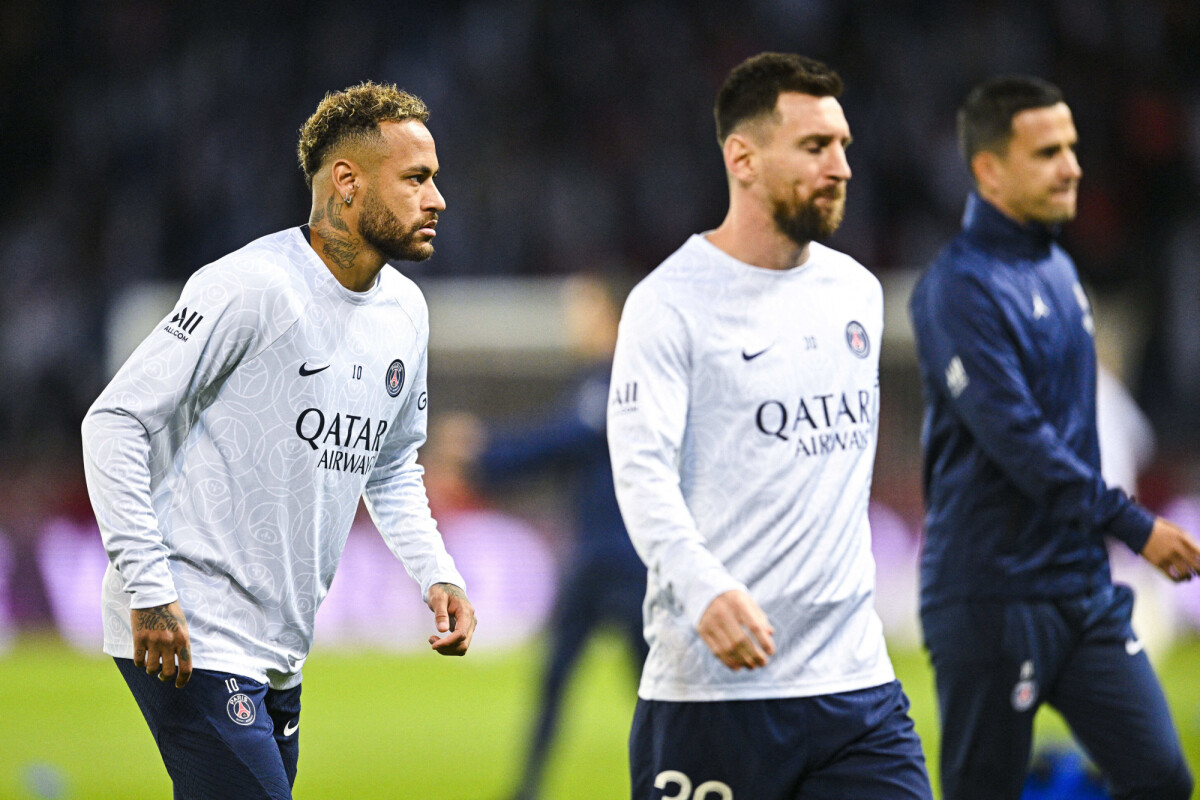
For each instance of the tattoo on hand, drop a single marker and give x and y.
(158, 619)
(453, 591)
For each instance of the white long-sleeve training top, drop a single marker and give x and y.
(742, 425)
(226, 458)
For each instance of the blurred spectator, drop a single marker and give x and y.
(143, 142)
(604, 581)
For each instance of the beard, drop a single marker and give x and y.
(384, 231)
(808, 221)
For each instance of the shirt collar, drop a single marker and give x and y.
(986, 224)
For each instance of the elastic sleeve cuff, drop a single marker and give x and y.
(150, 584)
(1132, 526)
(702, 589)
(153, 599)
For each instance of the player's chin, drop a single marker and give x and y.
(1060, 206)
(830, 222)
(413, 251)
(1058, 214)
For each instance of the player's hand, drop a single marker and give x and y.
(161, 643)
(455, 619)
(737, 631)
(1172, 550)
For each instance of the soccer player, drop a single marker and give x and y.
(604, 579)
(742, 426)
(1017, 603)
(226, 458)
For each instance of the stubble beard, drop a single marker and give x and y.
(1058, 213)
(383, 230)
(809, 221)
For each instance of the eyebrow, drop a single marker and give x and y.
(825, 138)
(1051, 149)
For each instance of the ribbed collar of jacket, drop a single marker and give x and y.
(987, 225)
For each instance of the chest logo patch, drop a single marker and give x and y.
(956, 377)
(394, 379)
(1040, 309)
(856, 338)
(1025, 693)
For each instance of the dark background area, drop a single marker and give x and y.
(144, 139)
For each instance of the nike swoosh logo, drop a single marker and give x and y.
(751, 356)
(305, 371)
(1134, 646)
(291, 727)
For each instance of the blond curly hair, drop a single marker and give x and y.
(353, 115)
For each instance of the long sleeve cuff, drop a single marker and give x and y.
(1132, 526)
(697, 578)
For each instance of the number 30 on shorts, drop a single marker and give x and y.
(709, 790)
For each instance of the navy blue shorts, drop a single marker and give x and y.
(222, 735)
(848, 746)
(996, 662)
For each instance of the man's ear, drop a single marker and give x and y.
(741, 157)
(986, 167)
(344, 175)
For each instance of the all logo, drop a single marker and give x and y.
(394, 380)
(240, 709)
(856, 337)
(183, 323)
(186, 321)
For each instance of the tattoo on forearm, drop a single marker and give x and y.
(158, 618)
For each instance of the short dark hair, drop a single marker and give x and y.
(353, 114)
(753, 87)
(985, 118)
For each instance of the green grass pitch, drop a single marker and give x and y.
(398, 726)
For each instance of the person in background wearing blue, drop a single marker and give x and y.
(1017, 602)
(603, 581)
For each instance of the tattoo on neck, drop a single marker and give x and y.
(341, 250)
(334, 210)
(158, 618)
(340, 246)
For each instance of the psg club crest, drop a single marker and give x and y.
(240, 709)
(394, 380)
(1025, 693)
(856, 337)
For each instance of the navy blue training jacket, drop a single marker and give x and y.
(572, 439)
(1015, 505)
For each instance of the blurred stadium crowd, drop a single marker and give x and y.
(145, 139)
